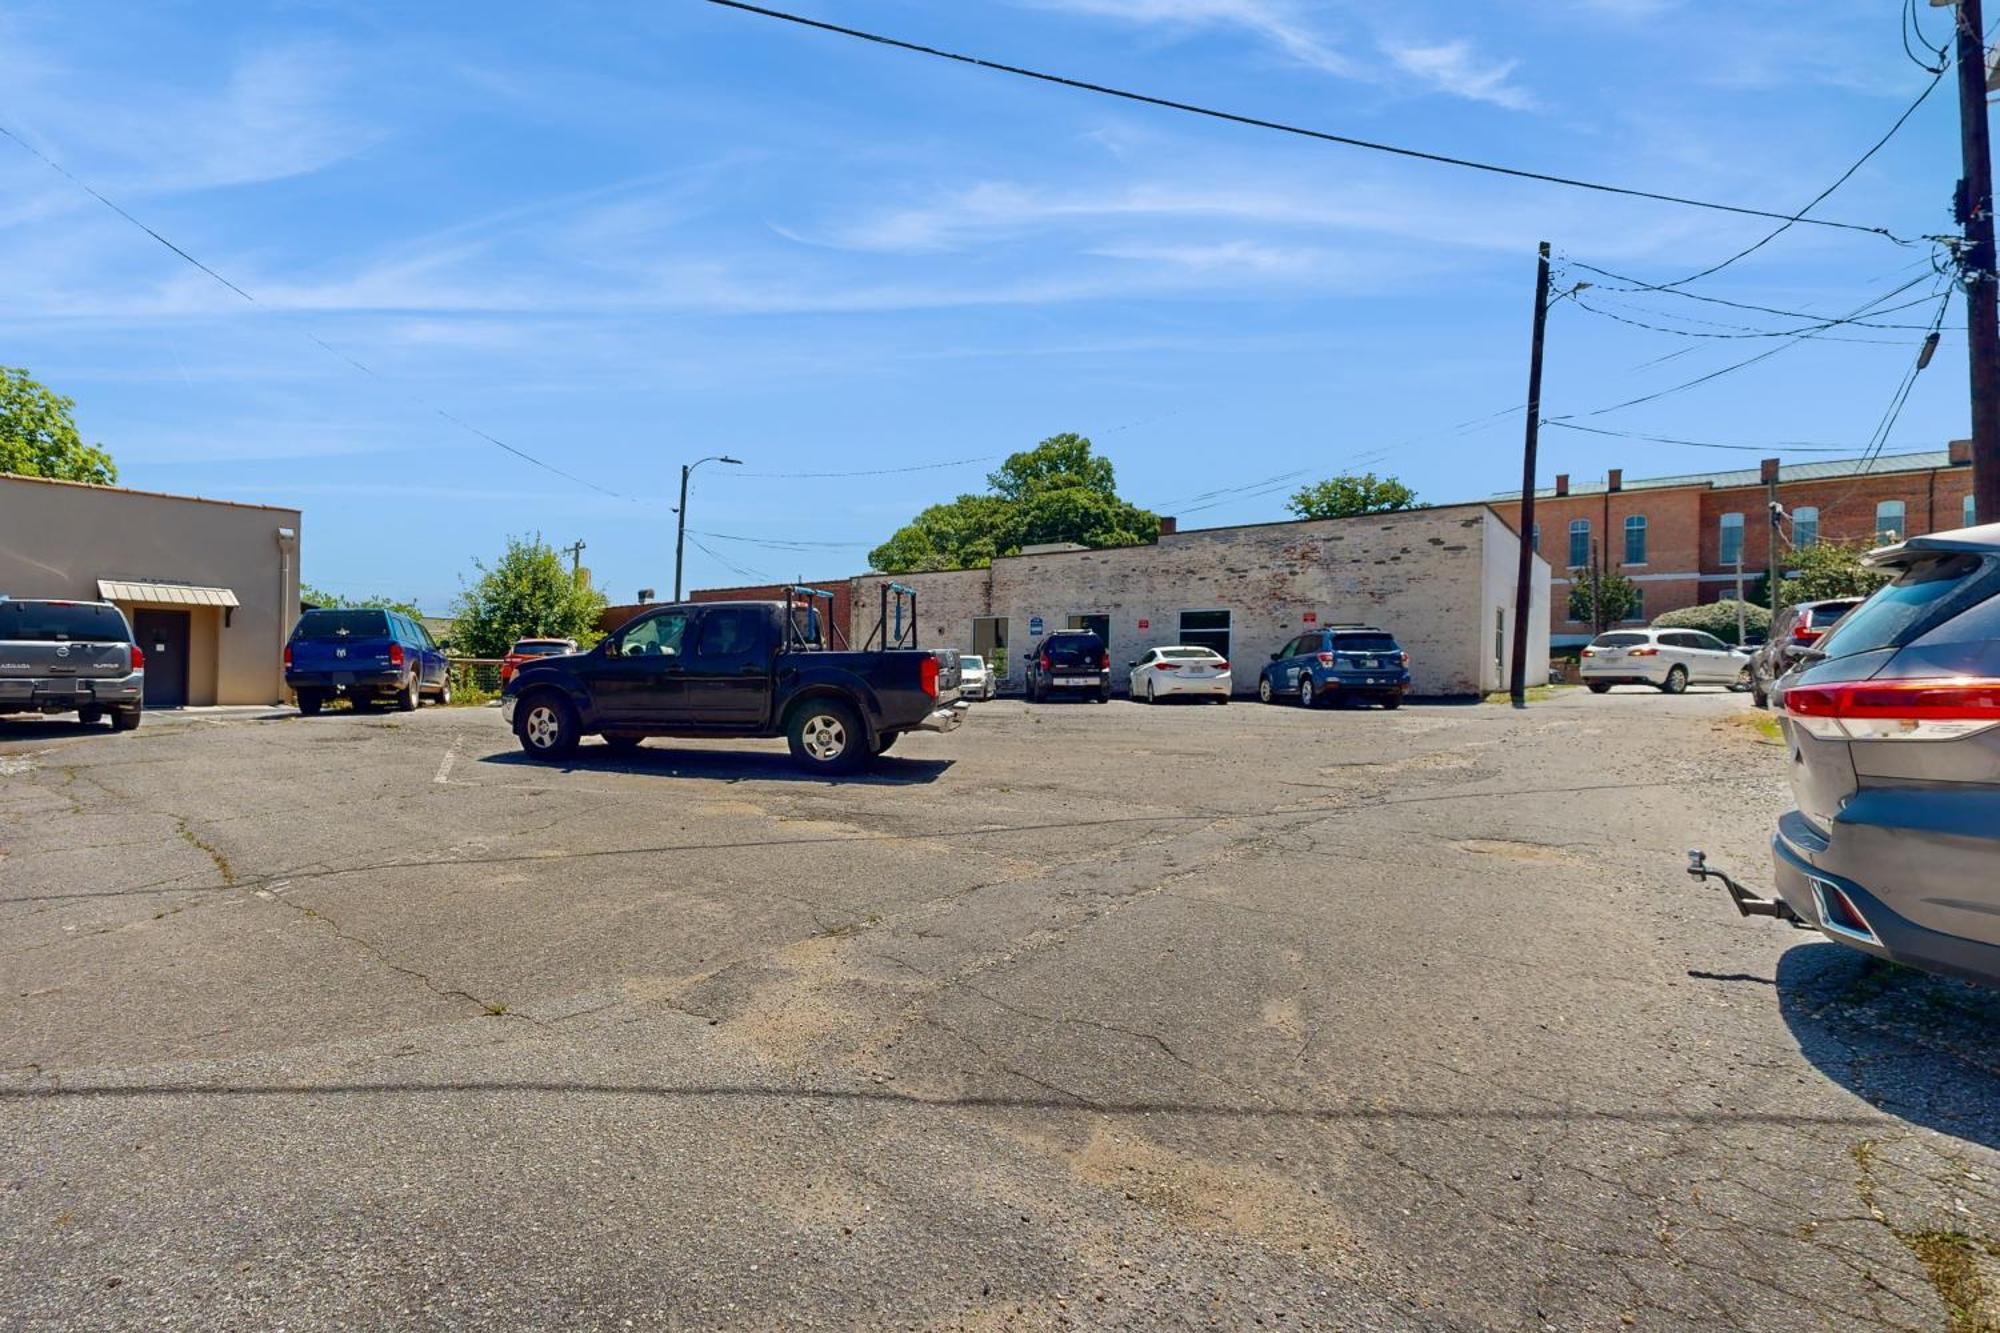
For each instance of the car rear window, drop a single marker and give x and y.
(342, 625)
(1076, 643)
(1617, 640)
(540, 648)
(1822, 616)
(1925, 593)
(1365, 643)
(1202, 653)
(56, 622)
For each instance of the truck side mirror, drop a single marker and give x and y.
(1276, 656)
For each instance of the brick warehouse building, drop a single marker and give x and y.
(1677, 538)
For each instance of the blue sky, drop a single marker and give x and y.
(621, 236)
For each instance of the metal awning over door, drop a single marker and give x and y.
(165, 594)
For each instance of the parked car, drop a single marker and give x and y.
(62, 657)
(1670, 660)
(366, 656)
(524, 649)
(974, 680)
(732, 669)
(1894, 724)
(1339, 664)
(1794, 628)
(1073, 661)
(1182, 670)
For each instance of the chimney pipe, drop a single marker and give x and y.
(1617, 479)
(1562, 483)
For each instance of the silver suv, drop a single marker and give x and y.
(1894, 724)
(63, 657)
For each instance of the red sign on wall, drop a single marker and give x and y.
(1311, 617)
(1145, 624)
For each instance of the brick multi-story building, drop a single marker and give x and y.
(1679, 538)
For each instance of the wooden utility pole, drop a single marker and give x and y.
(575, 550)
(1982, 292)
(1524, 582)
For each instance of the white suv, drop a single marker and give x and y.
(1667, 659)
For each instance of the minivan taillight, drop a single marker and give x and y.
(395, 654)
(1804, 633)
(927, 677)
(139, 658)
(1937, 709)
(1104, 660)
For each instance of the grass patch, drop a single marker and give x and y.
(1764, 724)
(1534, 694)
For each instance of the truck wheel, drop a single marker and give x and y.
(126, 719)
(444, 690)
(90, 717)
(310, 702)
(411, 695)
(547, 727)
(826, 737)
(885, 740)
(624, 744)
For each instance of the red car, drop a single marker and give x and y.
(526, 648)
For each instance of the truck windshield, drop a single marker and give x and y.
(342, 625)
(58, 622)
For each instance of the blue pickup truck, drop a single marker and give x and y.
(366, 656)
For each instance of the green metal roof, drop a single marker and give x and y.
(1887, 465)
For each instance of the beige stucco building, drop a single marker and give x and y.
(1442, 580)
(211, 587)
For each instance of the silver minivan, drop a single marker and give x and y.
(70, 657)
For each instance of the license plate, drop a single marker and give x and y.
(1364, 661)
(1076, 680)
(343, 677)
(58, 687)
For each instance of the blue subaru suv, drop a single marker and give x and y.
(1340, 663)
(368, 655)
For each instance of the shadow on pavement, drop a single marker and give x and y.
(654, 759)
(1921, 1047)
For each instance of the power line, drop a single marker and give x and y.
(740, 571)
(1842, 179)
(1742, 331)
(1784, 446)
(1640, 285)
(317, 341)
(868, 472)
(1324, 136)
(780, 544)
(1895, 408)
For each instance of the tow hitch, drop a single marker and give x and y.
(1747, 903)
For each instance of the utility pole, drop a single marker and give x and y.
(1524, 584)
(681, 519)
(1777, 513)
(1741, 628)
(575, 550)
(1982, 292)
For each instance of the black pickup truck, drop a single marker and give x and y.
(734, 669)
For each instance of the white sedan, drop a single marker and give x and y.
(1165, 672)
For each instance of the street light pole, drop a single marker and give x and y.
(681, 520)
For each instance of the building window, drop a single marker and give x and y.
(1206, 629)
(1635, 539)
(1805, 527)
(1732, 538)
(1579, 543)
(1970, 509)
(1638, 611)
(1889, 521)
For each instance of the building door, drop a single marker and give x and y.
(989, 642)
(1098, 625)
(163, 638)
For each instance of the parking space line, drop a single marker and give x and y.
(444, 765)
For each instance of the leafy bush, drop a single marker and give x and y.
(527, 593)
(1717, 618)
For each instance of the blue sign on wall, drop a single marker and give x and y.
(1035, 626)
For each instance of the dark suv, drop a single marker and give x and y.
(370, 656)
(1070, 662)
(1894, 724)
(1340, 663)
(60, 657)
(1793, 629)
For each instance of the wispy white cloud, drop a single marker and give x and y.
(1454, 67)
(1274, 21)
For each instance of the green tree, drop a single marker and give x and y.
(1601, 599)
(1059, 491)
(1828, 569)
(38, 436)
(311, 596)
(1718, 618)
(527, 593)
(1350, 494)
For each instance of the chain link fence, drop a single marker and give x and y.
(475, 680)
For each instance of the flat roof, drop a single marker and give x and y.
(1832, 469)
(158, 495)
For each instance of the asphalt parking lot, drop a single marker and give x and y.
(1090, 1016)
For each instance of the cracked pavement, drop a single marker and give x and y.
(1081, 1017)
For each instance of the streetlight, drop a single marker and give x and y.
(681, 526)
